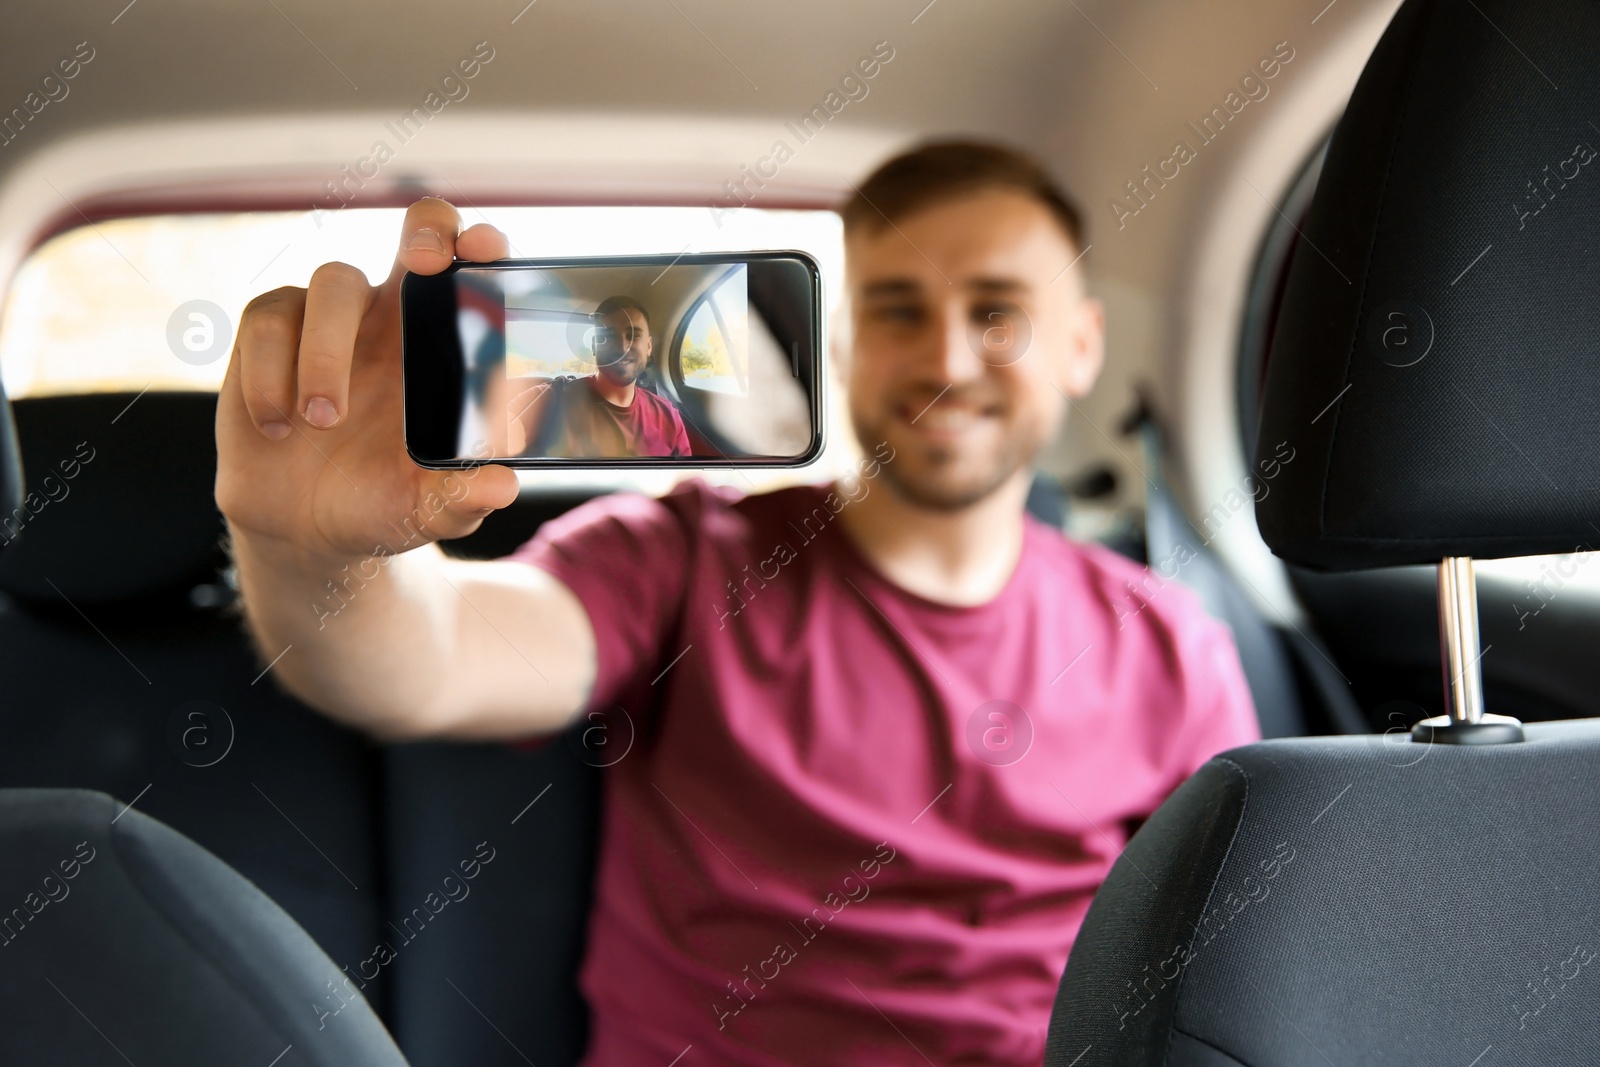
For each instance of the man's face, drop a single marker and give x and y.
(970, 333)
(622, 346)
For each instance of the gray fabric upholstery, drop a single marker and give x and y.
(1372, 901)
(122, 938)
(107, 660)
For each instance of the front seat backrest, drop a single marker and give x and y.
(1352, 901)
(122, 940)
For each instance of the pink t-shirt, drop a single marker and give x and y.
(648, 426)
(856, 825)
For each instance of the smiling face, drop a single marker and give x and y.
(970, 333)
(622, 345)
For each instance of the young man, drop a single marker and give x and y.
(891, 734)
(607, 413)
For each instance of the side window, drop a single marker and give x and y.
(713, 350)
(544, 343)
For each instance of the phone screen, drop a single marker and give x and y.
(660, 361)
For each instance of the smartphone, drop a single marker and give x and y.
(710, 360)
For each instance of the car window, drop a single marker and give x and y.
(713, 351)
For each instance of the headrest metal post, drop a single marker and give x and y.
(1459, 650)
(1465, 722)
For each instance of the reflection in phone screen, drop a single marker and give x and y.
(617, 362)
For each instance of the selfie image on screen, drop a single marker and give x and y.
(618, 362)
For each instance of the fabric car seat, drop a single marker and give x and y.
(120, 937)
(124, 940)
(128, 673)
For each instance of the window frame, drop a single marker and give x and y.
(680, 382)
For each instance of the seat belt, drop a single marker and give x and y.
(1296, 686)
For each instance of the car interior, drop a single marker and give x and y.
(1400, 873)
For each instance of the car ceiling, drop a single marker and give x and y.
(668, 294)
(663, 100)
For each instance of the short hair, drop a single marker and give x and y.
(618, 303)
(935, 171)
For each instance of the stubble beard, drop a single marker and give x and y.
(924, 476)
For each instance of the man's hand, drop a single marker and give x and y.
(309, 424)
(318, 490)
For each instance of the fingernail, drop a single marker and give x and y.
(427, 240)
(320, 413)
(275, 430)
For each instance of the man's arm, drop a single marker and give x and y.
(332, 524)
(427, 647)
(1220, 713)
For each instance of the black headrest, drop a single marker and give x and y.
(1433, 368)
(120, 500)
(120, 931)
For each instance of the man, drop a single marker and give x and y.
(606, 413)
(891, 734)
